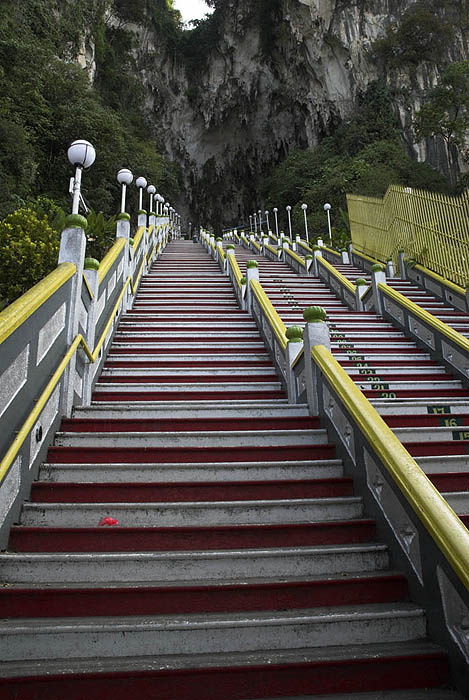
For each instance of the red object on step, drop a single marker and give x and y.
(110, 522)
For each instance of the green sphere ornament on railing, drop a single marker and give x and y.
(91, 264)
(76, 221)
(244, 280)
(360, 282)
(377, 268)
(251, 264)
(294, 334)
(314, 314)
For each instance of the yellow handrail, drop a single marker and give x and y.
(22, 434)
(296, 257)
(272, 315)
(110, 257)
(20, 310)
(238, 275)
(139, 236)
(305, 246)
(88, 286)
(272, 250)
(426, 317)
(442, 523)
(338, 275)
(367, 257)
(257, 246)
(329, 250)
(442, 280)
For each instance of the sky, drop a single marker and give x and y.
(191, 9)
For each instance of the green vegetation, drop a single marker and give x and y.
(422, 35)
(47, 102)
(364, 156)
(446, 111)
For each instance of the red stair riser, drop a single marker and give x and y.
(454, 447)
(45, 492)
(427, 420)
(99, 539)
(49, 602)
(456, 481)
(125, 397)
(186, 424)
(189, 379)
(158, 350)
(237, 682)
(131, 455)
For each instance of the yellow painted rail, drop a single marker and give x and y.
(139, 237)
(272, 315)
(429, 227)
(110, 257)
(296, 257)
(20, 310)
(332, 252)
(272, 250)
(338, 275)
(426, 317)
(439, 519)
(446, 283)
(79, 341)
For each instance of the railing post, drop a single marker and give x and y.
(378, 276)
(252, 273)
(123, 231)
(294, 346)
(93, 282)
(402, 270)
(390, 269)
(316, 332)
(309, 264)
(345, 258)
(72, 249)
(316, 254)
(361, 287)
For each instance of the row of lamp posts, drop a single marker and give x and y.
(82, 155)
(253, 220)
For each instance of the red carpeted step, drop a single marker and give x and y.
(427, 420)
(361, 673)
(172, 364)
(188, 379)
(172, 425)
(222, 537)
(173, 455)
(182, 340)
(224, 597)
(125, 397)
(452, 481)
(47, 492)
(447, 447)
(413, 393)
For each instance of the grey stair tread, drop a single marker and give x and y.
(208, 582)
(215, 660)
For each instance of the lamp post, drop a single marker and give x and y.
(250, 222)
(255, 222)
(267, 217)
(276, 221)
(124, 178)
(327, 209)
(151, 189)
(260, 220)
(81, 155)
(141, 183)
(305, 208)
(288, 208)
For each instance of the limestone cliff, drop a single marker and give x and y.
(259, 95)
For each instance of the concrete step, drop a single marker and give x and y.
(187, 514)
(431, 434)
(436, 464)
(183, 472)
(227, 675)
(225, 439)
(440, 406)
(188, 566)
(176, 372)
(395, 385)
(234, 632)
(277, 408)
(459, 501)
(172, 387)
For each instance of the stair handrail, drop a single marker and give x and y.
(439, 519)
(92, 356)
(442, 280)
(110, 257)
(291, 253)
(275, 321)
(338, 275)
(16, 313)
(439, 326)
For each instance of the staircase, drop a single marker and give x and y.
(426, 407)
(192, 536)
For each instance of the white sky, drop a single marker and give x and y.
(191, 9)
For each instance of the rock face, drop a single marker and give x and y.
(265, 90)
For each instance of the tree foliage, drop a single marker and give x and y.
(47, 102)
(364, 156)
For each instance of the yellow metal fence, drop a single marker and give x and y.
(431, 228)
